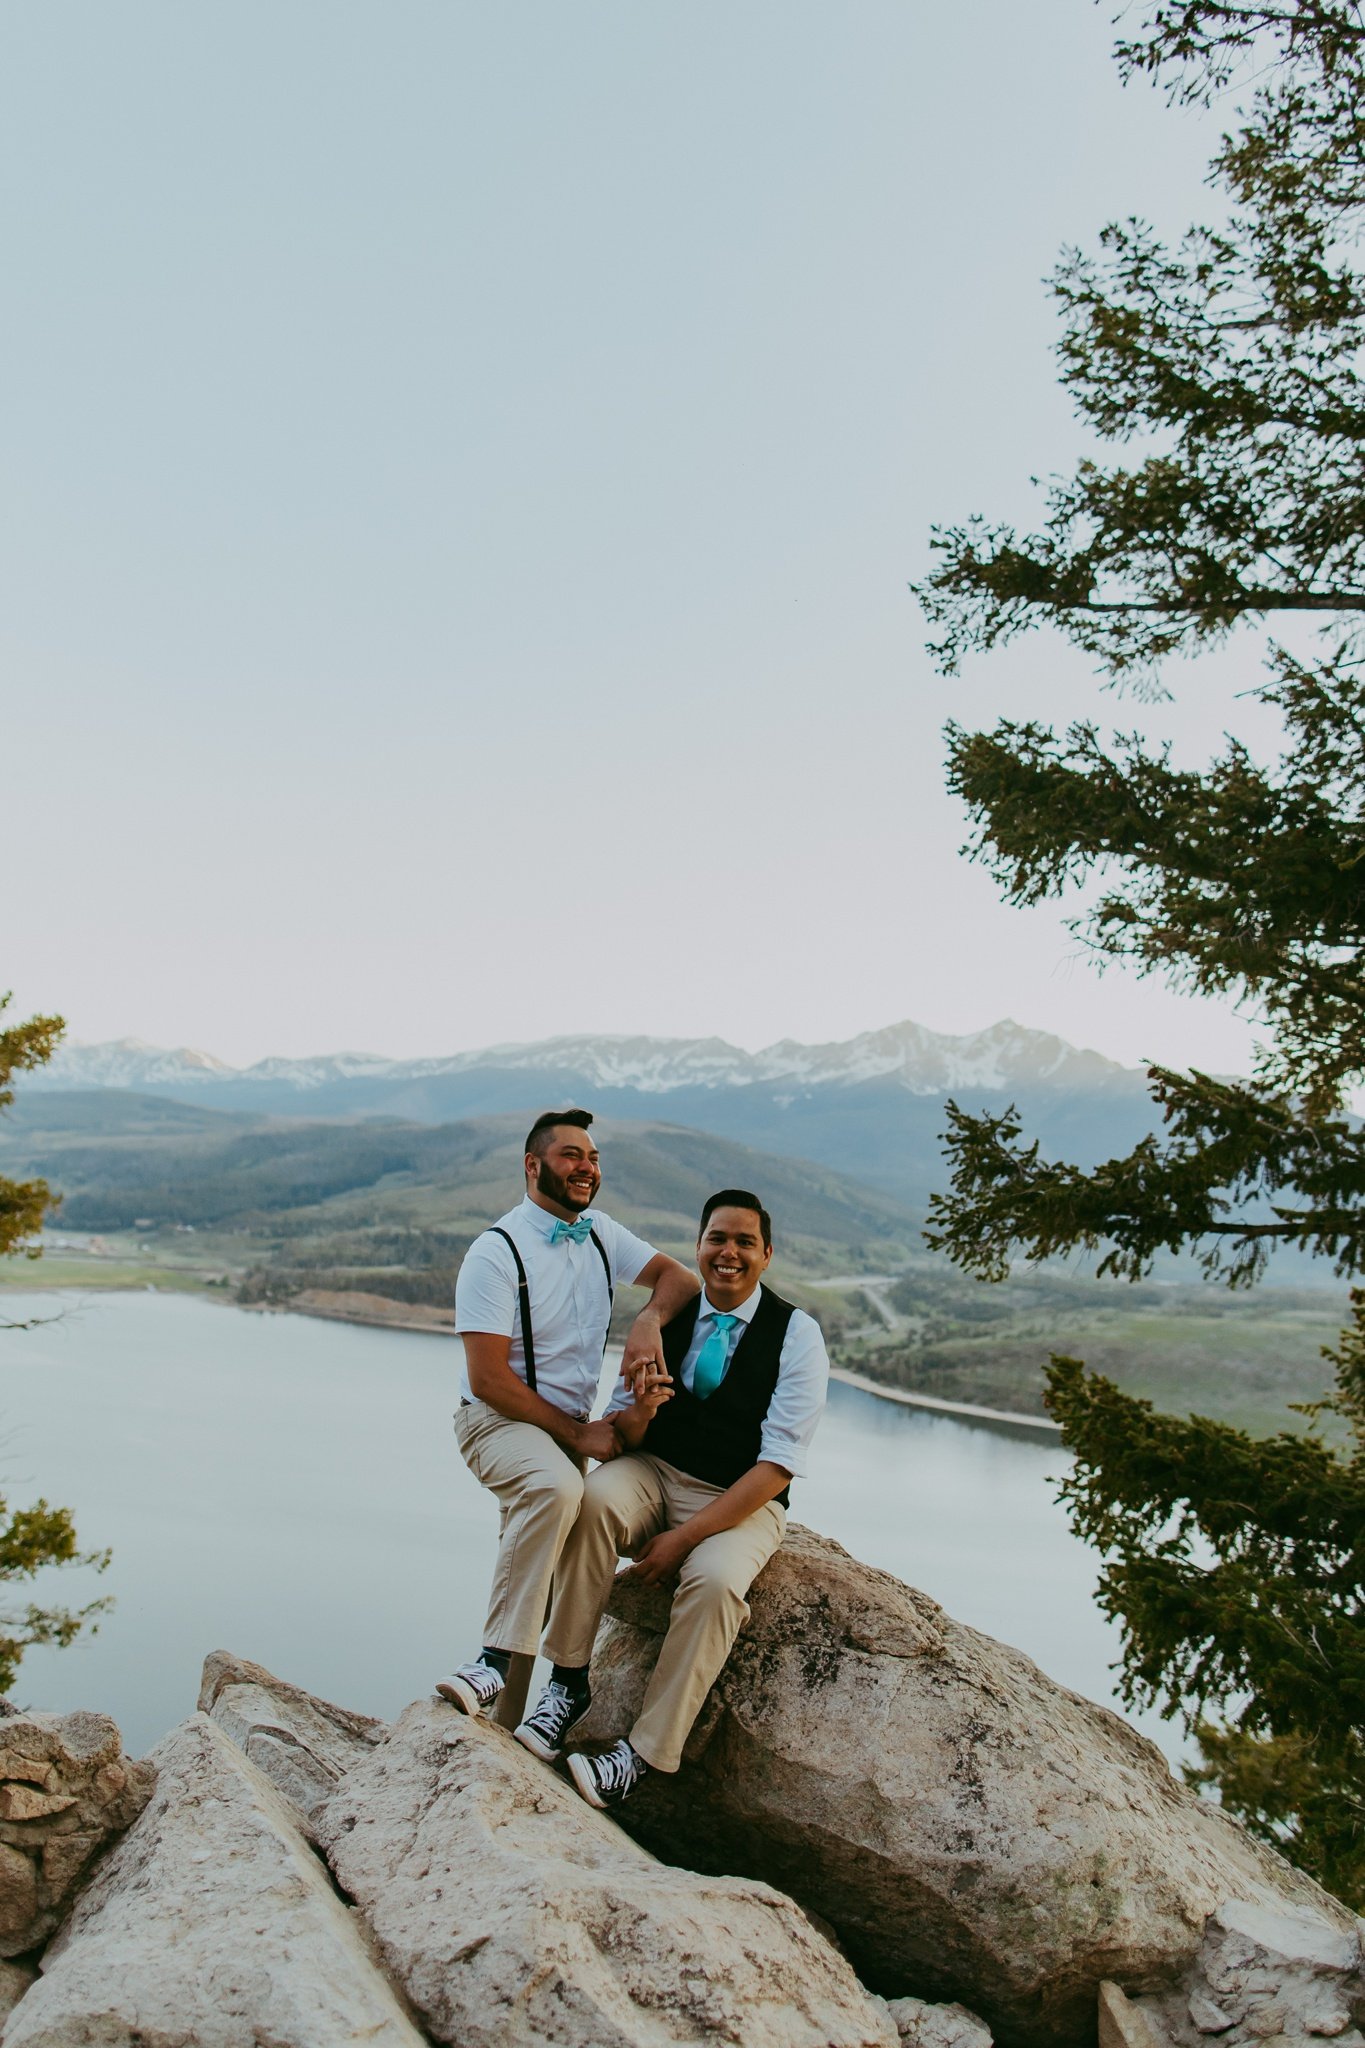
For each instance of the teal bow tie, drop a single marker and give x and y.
(580, 1232)
(712, 1359)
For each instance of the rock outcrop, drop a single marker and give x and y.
(511, 1913)
(970, 1829)
(66, 1790)
(1264, 1975)
(211, 1922)
(303, 1745)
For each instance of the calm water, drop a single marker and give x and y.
(290, 1489)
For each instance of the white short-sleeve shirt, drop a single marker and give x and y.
(570, 1302)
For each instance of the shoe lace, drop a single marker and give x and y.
(486, 1682)
(554, 1709)
(618, 1769)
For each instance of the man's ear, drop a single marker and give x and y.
(532, 1165)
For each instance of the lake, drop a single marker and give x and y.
(290, 1489)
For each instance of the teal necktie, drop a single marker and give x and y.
(580, 1232)
(714, 1356)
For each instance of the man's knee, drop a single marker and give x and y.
(710, 1582)
(556, 1492)
(607, 1507)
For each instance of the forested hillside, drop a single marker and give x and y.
(292, 1212)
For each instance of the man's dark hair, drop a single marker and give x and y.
(737, 1198)
(537, 1138)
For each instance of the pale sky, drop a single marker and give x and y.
(462, 469)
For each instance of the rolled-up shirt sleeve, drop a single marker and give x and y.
(621, 1397)
(799, 1397)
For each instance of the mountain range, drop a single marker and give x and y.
(923, 1062)
(869, 1106)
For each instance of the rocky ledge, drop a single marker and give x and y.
(888, 1829)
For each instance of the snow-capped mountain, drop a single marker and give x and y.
(923, 1062)
(870, 1106)
(128, 1063)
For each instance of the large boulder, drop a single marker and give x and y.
(512, 1913)
(211, 1922)
(304, 1745)
(971, 1829)
(66, 1791)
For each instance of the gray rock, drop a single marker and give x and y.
(970, 1828)
(511, 1913)
(210, 1923)
(66, 1791)
(1326, 2020)
(937, 2026)
(1123, 2023)
(225, 1667)
(1206, 2017)
(1271, 1974)
(1291, 1935)
(303, 1745)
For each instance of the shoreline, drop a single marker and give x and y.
(965, 1410)
(378, 1312)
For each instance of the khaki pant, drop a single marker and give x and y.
(625, 1502)
(539, 1489)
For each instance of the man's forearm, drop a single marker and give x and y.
(671, 1287)
(501, 1389)
(630, 1424)
(672, 1290)
(752, 1491)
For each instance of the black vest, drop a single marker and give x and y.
(718, 1439)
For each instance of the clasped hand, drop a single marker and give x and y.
(598, 1440)
(652, 1388)
(644, 1348)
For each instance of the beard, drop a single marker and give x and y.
(554, 1189)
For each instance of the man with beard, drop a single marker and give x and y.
(533, 1305)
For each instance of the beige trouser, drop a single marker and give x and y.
(539, 1489)
(625, 1502)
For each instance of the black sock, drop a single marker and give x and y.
(573, 1677)
(497, 1660)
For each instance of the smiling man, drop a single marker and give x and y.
(533, 1304)
(700, 1496)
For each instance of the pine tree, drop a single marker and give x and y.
(1234, 1567)
(23, 1204)
(34, 1537)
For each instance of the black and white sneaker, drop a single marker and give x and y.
(556, 1711)
(607, 1779)
(474, 1688)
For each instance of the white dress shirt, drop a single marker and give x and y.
(802, 1380)
(570, 1306)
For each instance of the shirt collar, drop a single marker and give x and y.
(541, 1219)
(746, 1311)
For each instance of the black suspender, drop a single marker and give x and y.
(611, 1291)
(523, 1305)
(524, 1298)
